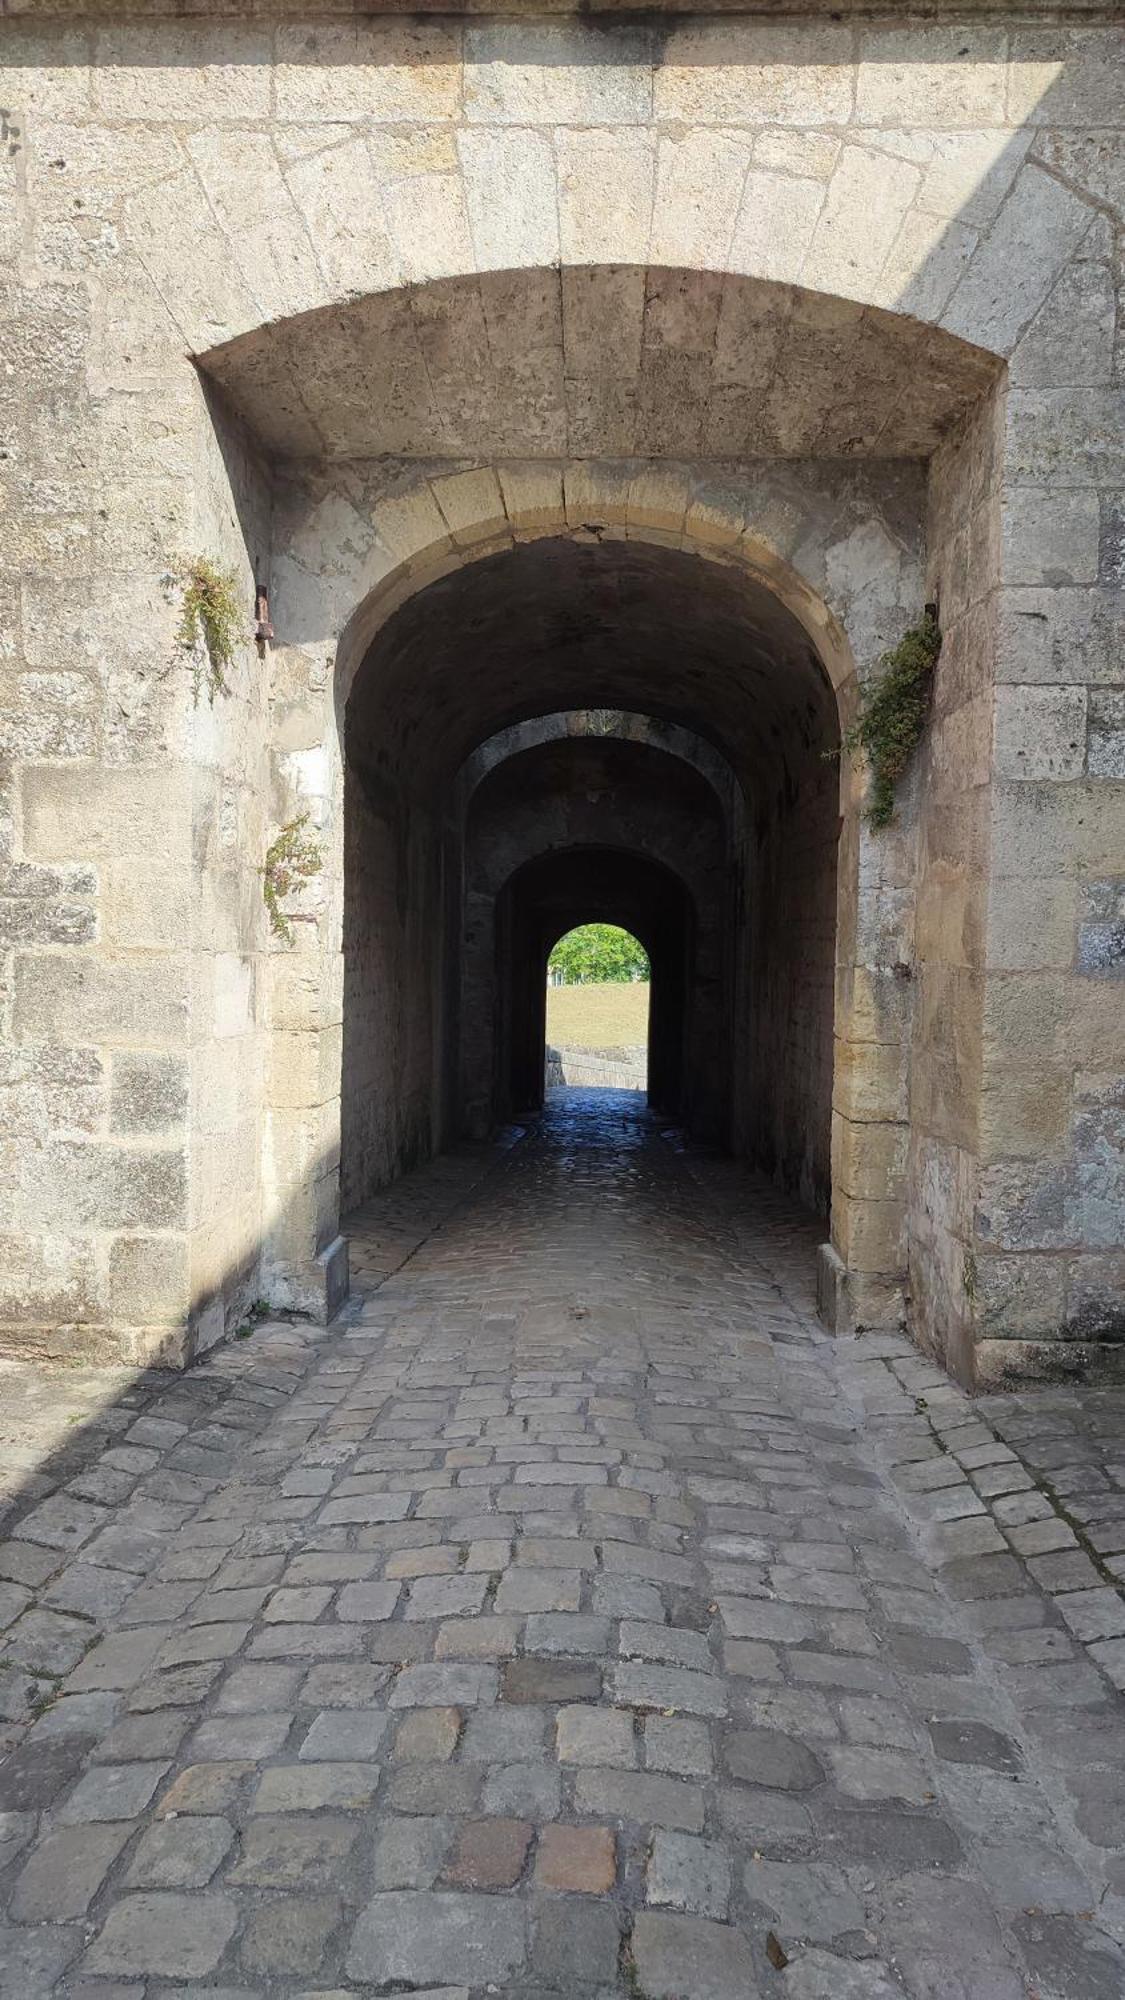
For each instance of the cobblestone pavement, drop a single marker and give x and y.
(570, 1619)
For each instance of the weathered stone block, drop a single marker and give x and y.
(131, 1003)
(148, 1092)
(1040, 732)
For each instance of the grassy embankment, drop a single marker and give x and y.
(606, 1016)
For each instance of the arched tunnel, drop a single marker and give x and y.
(578, 729)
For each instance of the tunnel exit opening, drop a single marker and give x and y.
(598, 979)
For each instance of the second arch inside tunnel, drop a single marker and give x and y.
(590, 728)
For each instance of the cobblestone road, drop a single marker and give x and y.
(573, 1619)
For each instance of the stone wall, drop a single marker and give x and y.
(364, 300)
(596, 1069)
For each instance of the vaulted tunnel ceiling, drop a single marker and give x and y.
(558, 624)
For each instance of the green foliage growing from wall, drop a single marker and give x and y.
(290, 860)
(893, 711)
(596, 953)
(211, 626)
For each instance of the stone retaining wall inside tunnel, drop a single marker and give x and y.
(596, 1069)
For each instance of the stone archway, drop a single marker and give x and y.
(593, 617)
(526, 271)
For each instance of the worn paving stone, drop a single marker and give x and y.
(180, 1937)
(489, 1854)
(688, 1874)
(420, 1937)
(579, 1858)
(564, 1629)
(289, 1937)
(677, 1955)
(576, 1943)
(65, 1872)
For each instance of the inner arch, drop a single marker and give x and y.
(438, 936)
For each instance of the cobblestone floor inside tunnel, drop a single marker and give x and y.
(571, 1618)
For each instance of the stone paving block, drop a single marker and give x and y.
(821, 1975)
(577, 1858)
(681, 1745)
(287, 1788)
(307, 1642)
(444, 1684)
(76, 1715)
(626, 1597)
(668, 1688)
(505, 1735)
(585, 1735)
(283, 1852)
(32, 1960)
(576, 1943)
(445, 1597)
(179, 1854)
(175, 1936)
(419, 1937)
(523, 1791)
(360, 1601)
(91, 1592)
(934, 1923)
(529, 1590)
(343, 1684)
(688, 1874)
(65, 1872)
(772, 1758)
(434, 1561)
(1093, 1614)
(562, 1635)
(676, 1955)
(974, 1743)
(489, 1854)
(345, 1734)
(427, 1735)
(862, 1772)
(234, 1737)
(289, 1937)
(61, 1522)
(1069, 1570)
(473, 1638)
(119, 1661)
(173, 1688)
(111, 1792)
(418, 1787)
(640, 1796)
(207, 1788)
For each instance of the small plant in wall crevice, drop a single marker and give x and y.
(211, 626)
(290, 860)
(893, 710)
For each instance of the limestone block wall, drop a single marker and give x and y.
(711, 240)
